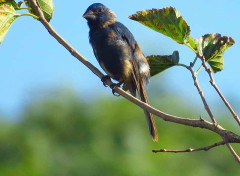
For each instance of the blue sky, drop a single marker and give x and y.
(32, 61)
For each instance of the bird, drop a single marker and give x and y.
(119, 55)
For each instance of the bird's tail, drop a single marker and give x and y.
(149, 117)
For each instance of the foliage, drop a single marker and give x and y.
(62, 135)
(7, 16)
(8, 13)
(169, 22)
(45, 5)
(159, 63)
(212, 47)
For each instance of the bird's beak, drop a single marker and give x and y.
(88, 15)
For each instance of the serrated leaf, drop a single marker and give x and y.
(46, 6)
(212, 47)
(167, 21)
(7, 16)
(159, 63)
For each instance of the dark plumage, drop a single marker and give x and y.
(119, 54)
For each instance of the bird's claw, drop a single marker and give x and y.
(113, 86)
(104, 79)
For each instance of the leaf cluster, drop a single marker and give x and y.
(8, 12)
(169, 22)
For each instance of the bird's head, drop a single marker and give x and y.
(98, 13)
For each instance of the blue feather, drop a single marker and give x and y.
(95, 6)
(125, 34)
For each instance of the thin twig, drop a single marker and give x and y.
(24, 8)
(194, 76)
(194, 62)
(213, 83)
(29, 14)
(73, 52)
(228, 135)
(199, 69)
(237, 158)
(192, 149)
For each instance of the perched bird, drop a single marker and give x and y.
(119, 54)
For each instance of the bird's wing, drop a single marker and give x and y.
(128, 38)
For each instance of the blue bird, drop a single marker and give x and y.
(119, 54)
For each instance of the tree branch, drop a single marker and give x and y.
(191, 149)
(213, 83)
(229, 136)
(194, 76)
(236, 157)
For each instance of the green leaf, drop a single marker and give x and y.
(212, 47)
(159, 63)
(5, 1)
(167, 21)
(7, 16)
(46, 6)
(12, 2)
(192, 43)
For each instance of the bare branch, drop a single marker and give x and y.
(213, 83)
(73, 52)
(236, 157)
(229, 136)
(194, 76)
(192, 149)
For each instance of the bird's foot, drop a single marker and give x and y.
(113, 86)
(104, 79)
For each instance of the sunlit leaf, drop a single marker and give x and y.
(212, 47)
(160, 63)
(46, 6)
(167, 21)
(7, 16)
(192, 43)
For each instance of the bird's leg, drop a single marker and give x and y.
(104, 79)
(112, 86)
